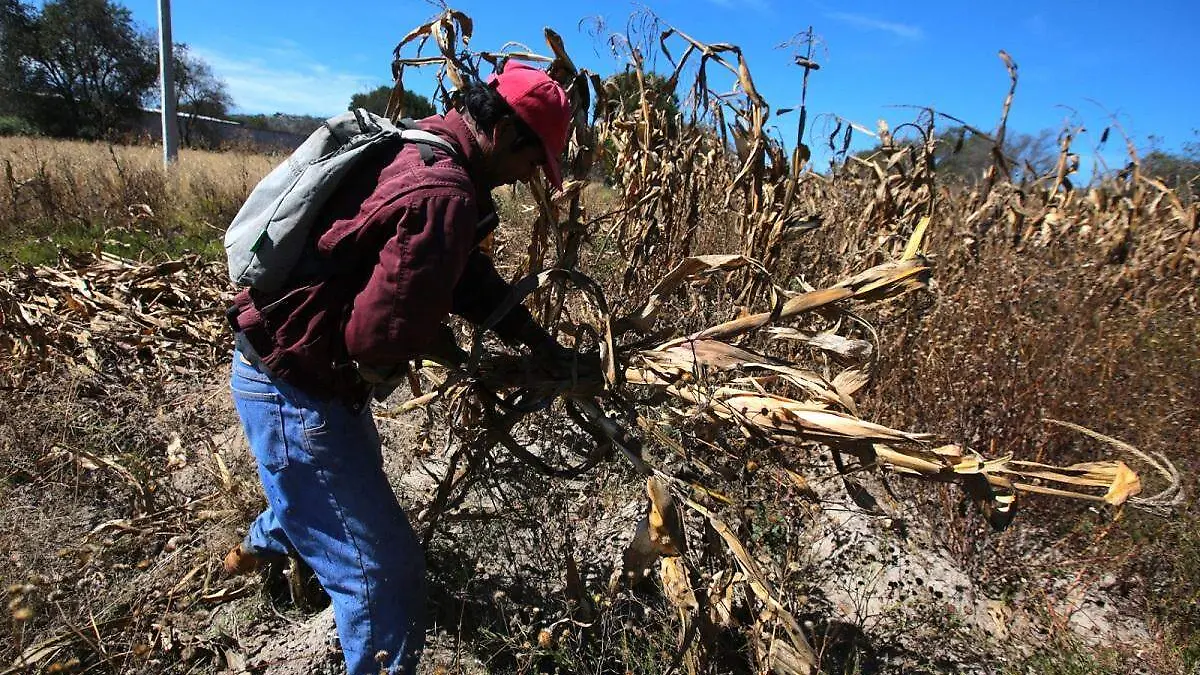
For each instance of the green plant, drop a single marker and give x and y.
(16, 126)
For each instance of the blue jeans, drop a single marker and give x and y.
(328, 500)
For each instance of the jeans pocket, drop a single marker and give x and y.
(322, 440)
(336, 437)
(262, 420)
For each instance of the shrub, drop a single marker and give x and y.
(11, 125)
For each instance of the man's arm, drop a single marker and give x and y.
(481, 289)
(411, 288)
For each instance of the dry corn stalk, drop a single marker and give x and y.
(706, 377)
(679, 185)
(104, 316)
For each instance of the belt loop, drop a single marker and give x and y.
(231, 317)
(243, 346)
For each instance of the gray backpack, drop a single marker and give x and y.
(267, 238)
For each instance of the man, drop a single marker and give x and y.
(398, 254)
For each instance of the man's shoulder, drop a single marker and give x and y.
(410, 177)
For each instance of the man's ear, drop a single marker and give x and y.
(498, 131)
(504, 133)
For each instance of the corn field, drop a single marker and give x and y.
(722, 302)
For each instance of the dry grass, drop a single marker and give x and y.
(1048, 337)
(76, 195)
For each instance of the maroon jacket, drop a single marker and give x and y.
(397, 248)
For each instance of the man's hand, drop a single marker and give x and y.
(445, 350)
(561, 362)
(388, 378)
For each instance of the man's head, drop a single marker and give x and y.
(521, 120)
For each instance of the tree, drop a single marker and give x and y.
(623, 96)
(198, 93)
(376, 100)
(623, 90)
(301, 125)
(82, 66)
(1177, 170)
(963, 157)
(16, 23)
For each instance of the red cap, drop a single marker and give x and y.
(541, 103)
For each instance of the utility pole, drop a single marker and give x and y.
(166, 73)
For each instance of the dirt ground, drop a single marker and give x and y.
(876, 585)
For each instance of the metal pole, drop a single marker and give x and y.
(166, 72)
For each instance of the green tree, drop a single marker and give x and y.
(198, 93)
(376, 100)
(82, 66)
(964, 157)
(622, 90)
(302, 125)
(16, 30)
(1178, 170)
(623, 97)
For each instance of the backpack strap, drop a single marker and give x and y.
(365, 126)
(412, 133)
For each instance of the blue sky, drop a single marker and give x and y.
(1078, 60)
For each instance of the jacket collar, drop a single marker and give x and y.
(453, 127)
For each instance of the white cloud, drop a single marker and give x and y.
(756, 5)
(283, 79)
(1037, 25)
(901, 30)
